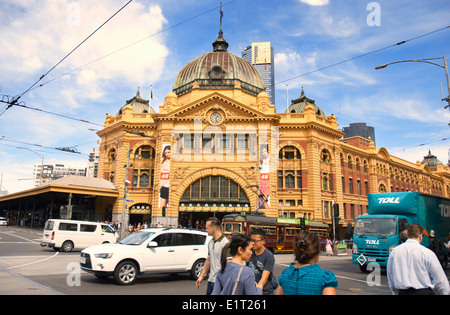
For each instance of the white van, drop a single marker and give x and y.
(65, 235)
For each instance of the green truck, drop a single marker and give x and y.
(376, 234)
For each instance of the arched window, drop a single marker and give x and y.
(215, 189)
(325, 156)
(143, 167)
(289, 153)
(144, 152)
(112, 155)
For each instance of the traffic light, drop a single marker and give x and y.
(302, 224)
(336, 210)
(163, 211)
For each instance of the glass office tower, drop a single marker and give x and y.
(260, 54)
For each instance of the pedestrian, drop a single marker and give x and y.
(328, 247)
(234, 277)
(306, 277)
(434, 244)
(413, 269)
(213, 261)
(262, 262)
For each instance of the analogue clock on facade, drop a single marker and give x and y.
(215, 118)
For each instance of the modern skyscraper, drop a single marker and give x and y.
(260, 54)
(359, 129)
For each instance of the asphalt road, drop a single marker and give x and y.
(28, 269)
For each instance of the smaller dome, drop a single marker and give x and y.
(138, 104)
(298, 105)
(430, 159)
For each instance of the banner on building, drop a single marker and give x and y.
(164, 179)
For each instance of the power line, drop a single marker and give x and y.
(72, 150)
(134, 43)
(420, 145)
(53, 113)
(65, 57)
(14, 100)
(363, 55)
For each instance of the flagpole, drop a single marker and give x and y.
(287, 97)
(151, 97)
(221, 16)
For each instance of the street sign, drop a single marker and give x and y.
(126, 199)
(361, 259)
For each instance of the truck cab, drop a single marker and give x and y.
(389, 214)
(375, 236)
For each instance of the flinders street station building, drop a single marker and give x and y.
(217, 146)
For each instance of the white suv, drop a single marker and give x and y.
(161, 250)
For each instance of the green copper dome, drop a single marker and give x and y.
(219, 70)
(298, 105)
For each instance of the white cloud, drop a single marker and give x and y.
(315, 2)
(338, 26)
(417, 153)
(379, 107)
(45, 32)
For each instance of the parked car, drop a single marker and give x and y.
(3, 221)
(156, 250)
(66, 235)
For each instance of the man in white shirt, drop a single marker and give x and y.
(414, 269)
(215, 246)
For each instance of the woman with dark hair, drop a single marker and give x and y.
(235, 278)
(306, 277)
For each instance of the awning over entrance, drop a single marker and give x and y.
(77, 197)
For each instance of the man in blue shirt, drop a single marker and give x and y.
(413, 269)
(262, 261)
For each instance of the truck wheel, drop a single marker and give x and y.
(125, 273)
(67, 246)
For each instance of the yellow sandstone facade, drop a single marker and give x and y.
(231, 151)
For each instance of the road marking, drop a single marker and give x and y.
(34, 282)
(14, 242)
(11, 234)
(34, 262)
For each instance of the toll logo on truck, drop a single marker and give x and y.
(372, 242)
(389, 200)
(445, 211)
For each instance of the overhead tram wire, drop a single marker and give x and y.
(71, 150)
(14, 102)
(363, 55)
(419, 145)
(114, 52)
(59, 115)
(134, 43)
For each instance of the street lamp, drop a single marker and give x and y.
(426, 60)
(42, 162)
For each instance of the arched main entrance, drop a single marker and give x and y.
(211, 196)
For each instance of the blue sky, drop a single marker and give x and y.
(148, 42)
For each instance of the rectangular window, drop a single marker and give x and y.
(87, 228)
(188, 141)
(289, 179)
(68, 226)
(242, 141)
